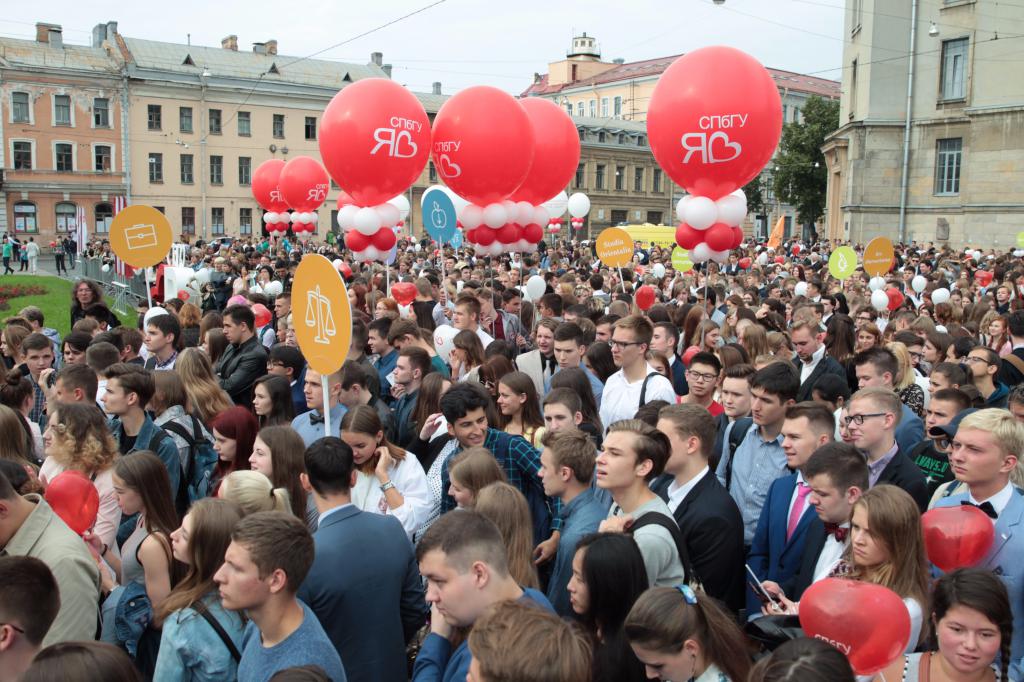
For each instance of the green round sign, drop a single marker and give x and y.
(1020, 240)
(681, 260)
(842, 263)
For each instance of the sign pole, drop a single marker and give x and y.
(149, 289)
(325, 379)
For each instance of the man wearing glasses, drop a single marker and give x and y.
(871, 419)
(983, 364)
(636, 383)
(702, 378)
(878, 367)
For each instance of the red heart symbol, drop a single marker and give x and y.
(724, 138)
(956, 537)
(447, 167)
(403, 292)
(409, 149)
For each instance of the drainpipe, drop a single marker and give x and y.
(906, 128)
(126, 151)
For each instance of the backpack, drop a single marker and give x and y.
(657, 519)
(202, 459)
(643, 388)
(737, 433)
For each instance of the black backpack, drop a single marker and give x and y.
(659, 519)
(739, 431)
(202, 458)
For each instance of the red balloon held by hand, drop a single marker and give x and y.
(403, 292)
(896, 299)
(983, 277)
(74, 499)
(645, 297)
(957, 537)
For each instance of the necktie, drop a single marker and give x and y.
(550, 364)
(986, 507)
(836, 530)
(315, 417)
(802, 491)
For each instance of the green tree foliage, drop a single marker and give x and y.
(801, 178)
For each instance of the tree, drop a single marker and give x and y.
(754, 191)
(801, 178)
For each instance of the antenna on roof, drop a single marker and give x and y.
(188, 39)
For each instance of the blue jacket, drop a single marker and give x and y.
(132, 616)
(299, 393)
(190, 649)
(152, 437)
(385, 366)
(910, 430)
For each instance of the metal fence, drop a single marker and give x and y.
(123, 291)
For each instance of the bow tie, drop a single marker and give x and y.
(837, 531)
(986, 507)
(315, 417)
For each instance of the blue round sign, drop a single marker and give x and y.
(439, 216)
(456, 240)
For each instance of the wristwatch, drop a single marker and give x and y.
(386, 486)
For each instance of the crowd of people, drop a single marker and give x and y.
(565, 487)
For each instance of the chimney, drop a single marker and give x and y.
(436, 88)
(618, 60)
(230, 43)
(377, 58)
(387, 70)
(49, 33)
(259, 48)
(271, 46)
(536, 78)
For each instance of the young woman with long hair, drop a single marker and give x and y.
(170, 409)
(253, 492)
(598, 359)
(428, 402)
(466, 356)
(679, 633)
(77, 438)
(520, 407)
(17, 393)
(205, 396)
(754, 338)
(507, 508)
(188, 651)
(806, 660)
(272, 400)
(576, 380)
(868, 336)
(491, 372)
(234, 432)
(16, 441)
(10, 344)
(910, 393)
(995, 329)
(608, 576)
(277, 453)
(706, 336)
(389, 480)
(469, 472)
(691, 322)
(190, 318)
(936, 345)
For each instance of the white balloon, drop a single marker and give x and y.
(919, 283)
(495, 215)
(471, 216)
(762, 258)
(579, 205)
(388, 214)
(367, 221)
(273, 288)
(284, 218)
(524, 212)
(941, 328)
(940, 295)
(347, 217)
(511, 209)
(556, 205)
(701, 252)
(255, 289)
(535, 287)
(658, 270)
(202, 277)
(681, 208)
(444, 341)
(106, 267)
(270, 217)
(876, 283)
(337, 263)
(720, 256)
(976, 254)
(540, 216)
(732, 209)
(800, 289)
(401, 202)
(701, 213)
(155, 311)
(879, 300)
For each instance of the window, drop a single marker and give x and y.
(654, 217)
(62, 110)
(638, 179)
(656, 180)
(785, 113)
(20, 112)
(617, 107)
(578, 180)
(948, 158)
(311, 127)
(217, 220)
(154, 117)
(857, 11)
(22, 155)
(156, 167)
(187, 169)
(215, 121)
(620, 177)
(279, 126)
(583, 134)
(25, 217)
(245, 221)
(185, 119)
(101, 112)
(160, 208)
(592, 108)
(621, 138)
(599, 176)
(102, 158)
(188, 220)
(601, 137)
(619, 217)
(954, 67)
(853, 88)
(65, 217)
(104, 214)
(579, 109)
(432, 172)
(63, 157)
(244, 124)
(568, 108)
(604, 107)
(244, 170)
(216, 170)
(641, 140)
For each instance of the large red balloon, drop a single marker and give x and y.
(714, 120)
(645, 297)
(957, 537)
(983, 277)
(304, 183)
(403, 292)
(356, 240)
(688, 237)
(719, 237)
(264, 186)
(556, 148)
(896, 299)
(533, 233)
(74, 499)
(869, 623)
(483, 144)
(384, 239)
(374, 139)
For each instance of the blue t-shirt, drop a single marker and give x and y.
(308, 645)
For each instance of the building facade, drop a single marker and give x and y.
(951, 171)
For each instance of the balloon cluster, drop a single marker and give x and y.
(301, 185)
(710, 229)
(371, 231)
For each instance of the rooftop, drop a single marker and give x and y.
(18, 53)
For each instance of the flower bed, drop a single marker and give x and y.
(8, 292)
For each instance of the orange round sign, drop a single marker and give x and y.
(879, 256)
(615, 247)
(321, 314)
(140, 236)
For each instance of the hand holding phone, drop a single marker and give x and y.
(766, 598)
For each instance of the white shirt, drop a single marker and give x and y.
(621, 399)
(807, 367)
(677, 493)
(998, 501)
(484, 337)
(409, 480)
(831, 553)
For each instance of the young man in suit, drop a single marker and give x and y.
(540, 363)
(569, 349)
(872, 418)
(782, 528)
(163, 341)
(363, 573)
(665, 341)
(808, 340)
(985, 451)
(288, 362)
(877, 368)
(708, 517)
(245, 359)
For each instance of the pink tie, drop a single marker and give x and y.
(802, 491)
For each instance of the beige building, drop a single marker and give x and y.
(952, 171)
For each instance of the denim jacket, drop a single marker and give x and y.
(133, 615)
(191, 651)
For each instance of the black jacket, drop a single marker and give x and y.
(239, 368)
(902, 472)
(827, 365)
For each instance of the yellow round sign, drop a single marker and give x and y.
(140, 236)
(879, 256)
(681, 260)
(321, 314)
(842, 263)
(615, 247)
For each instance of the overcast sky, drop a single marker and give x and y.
(469, 42)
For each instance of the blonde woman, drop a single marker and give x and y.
(910, 393)
(205, 395)
(253, 492)
(503, 504)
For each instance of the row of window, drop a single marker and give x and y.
(620, 179)
(26, 217)
(615, 110)
(23, 157)
(186, 165)
(604, 137)
(188, 220)
(63, 111)
(243, 120)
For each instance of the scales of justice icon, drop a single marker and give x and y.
(319, 316)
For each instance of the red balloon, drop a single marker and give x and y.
(384, 239)
(345, 199)
(983, 277)
(645, 297)
(374, 139)
(356, 240)
(745, 263)
(780, 259)
(868, 623)
(403, 292)
(485, 236)
(533, 233)
(508, 233)
(74, 499)
(483, 144)
(714, 120)
(689, 353)
(264, 186)
(796, 249)
(557, 142)
(262, 315)
(718, 237)
(471, 236)
(304, 183)
(183, 295)
(688, 237)
(737, 237)
(895, 299)
(957, 537)
(345, 270)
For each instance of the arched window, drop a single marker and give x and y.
(25, 217)
(65, 217)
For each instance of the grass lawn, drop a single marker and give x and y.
(55, 303)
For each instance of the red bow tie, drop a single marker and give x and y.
(836, 530)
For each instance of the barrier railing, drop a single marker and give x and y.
(123, 291)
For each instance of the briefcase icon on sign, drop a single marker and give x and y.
(140, 237)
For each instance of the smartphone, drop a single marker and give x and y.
(762, 594)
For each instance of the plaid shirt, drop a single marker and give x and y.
(521, 463)
(38, 413)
